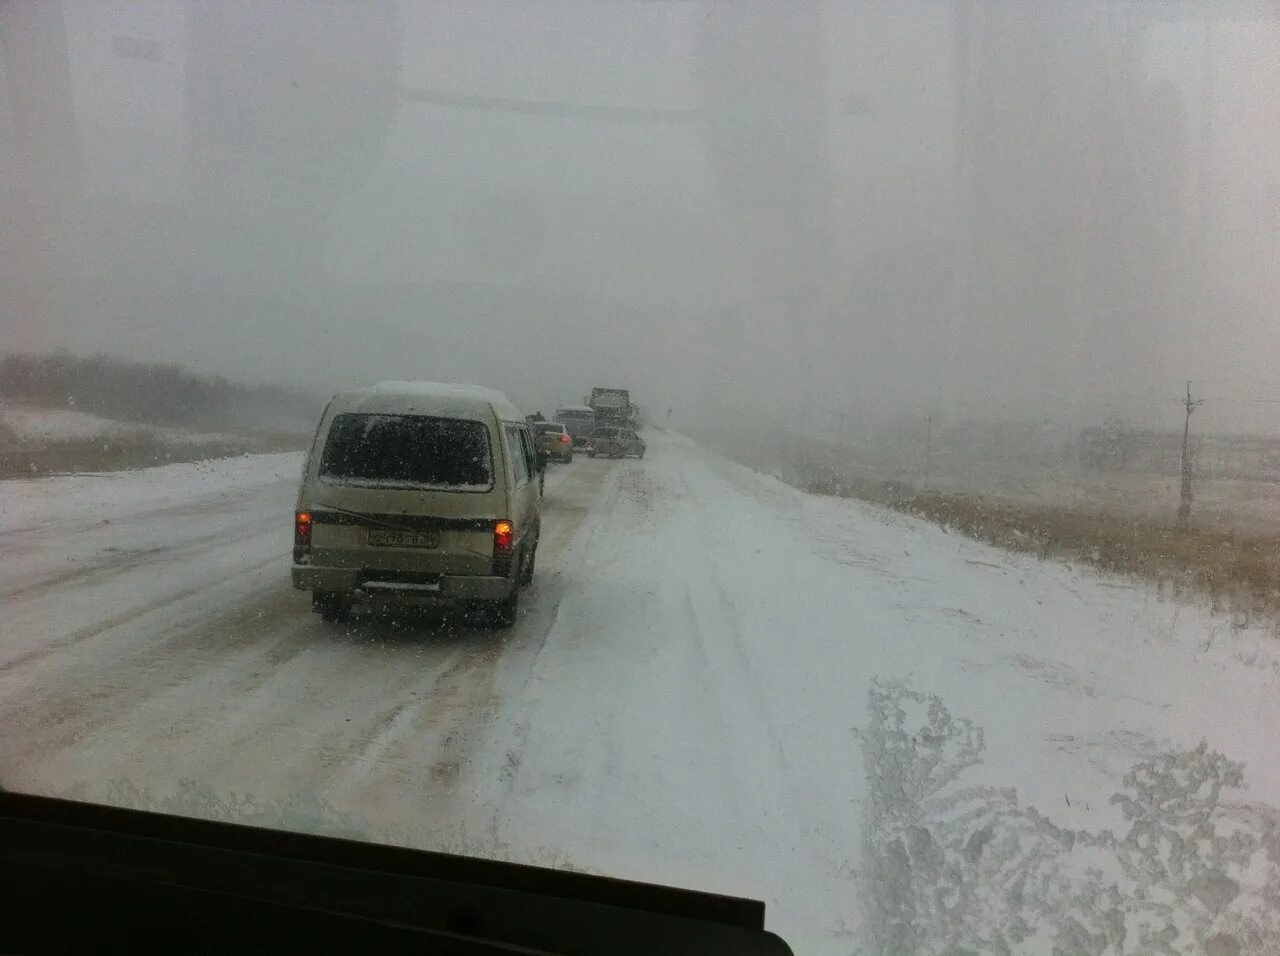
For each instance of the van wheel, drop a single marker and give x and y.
(526, 572)
(504, 612)
(329, 605)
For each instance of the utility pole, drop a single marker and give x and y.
(1184, 506)
(928, 448)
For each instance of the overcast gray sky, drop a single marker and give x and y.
(1003, 211)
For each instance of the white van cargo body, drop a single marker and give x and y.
(418, 492)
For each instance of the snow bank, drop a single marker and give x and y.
(56, 424)
(94, 498)
(49, 425)
(35, 423)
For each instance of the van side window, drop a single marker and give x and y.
(516, 452)
(306, 459)
(530, 459)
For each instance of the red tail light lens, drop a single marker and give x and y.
(564, 439)
(301, 534)
(504, 534)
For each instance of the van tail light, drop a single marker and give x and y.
(504, 537)
(564, 439)
(301, 534)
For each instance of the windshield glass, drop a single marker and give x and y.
(407, 451)
(910, 557)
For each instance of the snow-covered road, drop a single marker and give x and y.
(679, 702)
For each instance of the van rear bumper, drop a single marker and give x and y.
(453, 587)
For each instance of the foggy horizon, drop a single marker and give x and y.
(1061, 214)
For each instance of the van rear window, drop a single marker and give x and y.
(408, 451)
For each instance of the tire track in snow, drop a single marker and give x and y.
(753, 708)
(113, 622)
(589, 489)
(757, 711)
(42, 715)
(423, 736)
(111, 561)
(601, 547)
(417, 754)
(712, 703)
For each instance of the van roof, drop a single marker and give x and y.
(437, 398)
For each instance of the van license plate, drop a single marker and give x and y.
(404, 539)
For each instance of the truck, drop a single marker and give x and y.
(612, 406)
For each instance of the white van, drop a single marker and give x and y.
(422, 493)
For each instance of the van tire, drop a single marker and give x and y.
(504, 612)
(330, 606)
(526, 572)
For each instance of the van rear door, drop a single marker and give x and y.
(408, 492)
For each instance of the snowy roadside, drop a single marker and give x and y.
(1092, 637)
(1227, 556)
(37, 441)
(63, 424)
(731, 647)
(1082, 718)
(92, 498)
